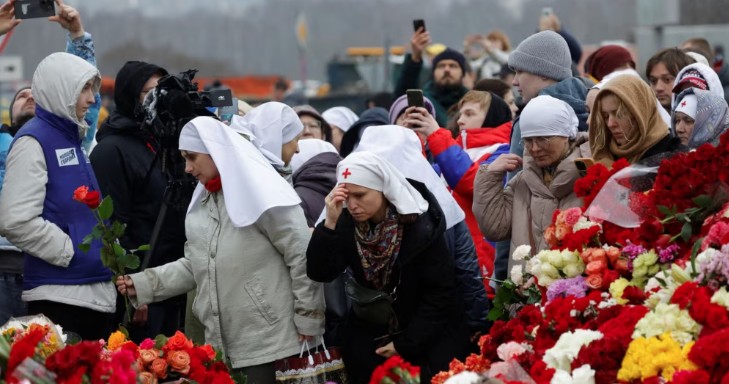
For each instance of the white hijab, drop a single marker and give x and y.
(309, 148)
(250, 184)
(402, 148)
(269, 126)
(369, 170)
(341, 117)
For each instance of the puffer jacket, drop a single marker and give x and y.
(253, 295)
(526, 202)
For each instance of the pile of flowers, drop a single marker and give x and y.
(34, 351)
(645, 303)
(395, 370)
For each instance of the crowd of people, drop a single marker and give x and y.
(384, 233)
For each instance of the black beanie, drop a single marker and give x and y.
(10, 113)
(451, 54)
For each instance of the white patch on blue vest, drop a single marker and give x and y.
(66, 157)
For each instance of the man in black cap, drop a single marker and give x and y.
(445, 87)
(127, 169)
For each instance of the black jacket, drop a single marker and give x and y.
(428, 306)
(313, 181)
(125, 166)
(371, 117)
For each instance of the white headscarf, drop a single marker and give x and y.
(630, 71)
(369, 170)
(713, 83)
(548, 116)
(251, 186)
(342, 117)
(309, 148)
(269, 126)
(688, 106)
(402, 148)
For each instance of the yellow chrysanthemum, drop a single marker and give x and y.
(660, 355)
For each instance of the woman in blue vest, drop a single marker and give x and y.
(45, 165)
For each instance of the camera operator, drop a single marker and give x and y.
(128, 169)
(22, 109)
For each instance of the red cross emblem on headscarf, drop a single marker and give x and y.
(683, 104)
(346, 173)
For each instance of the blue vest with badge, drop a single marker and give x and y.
(68, 168)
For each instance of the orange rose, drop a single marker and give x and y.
(613, 255)
(209, 351)
(179, 361)
(115, 341)
(594, 281)
(595, 267)
(80, 193)
(147, 378)
(178, 342)
(148, 355)
(562, 231)
(159, 368)
(585, 255)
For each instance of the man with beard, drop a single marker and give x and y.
(22, 109)
(445, 88)
(127, 167)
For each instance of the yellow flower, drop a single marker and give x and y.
(660, 355)
(115, 341)
(616, 290)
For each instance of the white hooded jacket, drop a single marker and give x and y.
(57, 84)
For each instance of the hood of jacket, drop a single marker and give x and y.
(573, 92)
(57, 84)
(319, 173)
(368, 118)
(129, 83)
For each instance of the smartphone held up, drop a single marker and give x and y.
(32, 9)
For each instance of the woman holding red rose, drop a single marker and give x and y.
(45, 166)
(245, 254)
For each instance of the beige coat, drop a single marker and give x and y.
(253, 295)
(526, 201)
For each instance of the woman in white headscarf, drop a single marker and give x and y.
(391, 239)
(246, 238)
(340, 119)
(523, 210)
(403, 149)
(275, 129)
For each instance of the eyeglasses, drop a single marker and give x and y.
(541, 142)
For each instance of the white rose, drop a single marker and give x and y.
(556, 260)
(569, 257)
(572, 270)
(549, 270)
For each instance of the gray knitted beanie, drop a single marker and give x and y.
(545, 54)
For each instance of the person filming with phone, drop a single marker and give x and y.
(445, 87)
(523, 210)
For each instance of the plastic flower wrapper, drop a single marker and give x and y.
(615, 203)
(53, 339)
(668, 318)
(567, 347)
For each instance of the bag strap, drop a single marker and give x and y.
(305, 347)
(531, 234)
(326, 351)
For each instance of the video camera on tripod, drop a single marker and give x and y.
(166, 109)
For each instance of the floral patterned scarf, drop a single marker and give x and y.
(379, 246)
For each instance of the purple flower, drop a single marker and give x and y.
(632, 251)
(575, 286)
(666, 255)
(715, 271)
